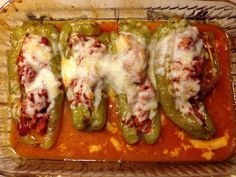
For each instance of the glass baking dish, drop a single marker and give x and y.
(15, 12)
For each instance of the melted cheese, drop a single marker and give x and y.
(207, 155)
(36, 53)
(112, 127)
(69, 71)
(116, 144)
(87, 48)
(46, 79)
(82, 65)
(160, 53)
(124, 70)
(186, 87)
(213, 144)
(98, 92)
(175, 152)
(95, 148)
(39, 55)
(112, 68)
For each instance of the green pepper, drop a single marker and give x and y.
(104, 38)
(109, 39)
(99, 116)
(129, 133)
(87, 28)
(16, 92)
(83, 117)
(152, 136)
(187, 122)
(135, 27)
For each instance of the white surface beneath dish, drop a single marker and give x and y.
(2, 2)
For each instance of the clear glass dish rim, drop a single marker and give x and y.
(10, 1)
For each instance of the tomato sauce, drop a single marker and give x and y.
(172, 146)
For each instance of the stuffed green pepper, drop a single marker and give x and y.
(125, 72)
(177, 66)
(81, 52)
(35, 84)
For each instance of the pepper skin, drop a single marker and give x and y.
(129, 133)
